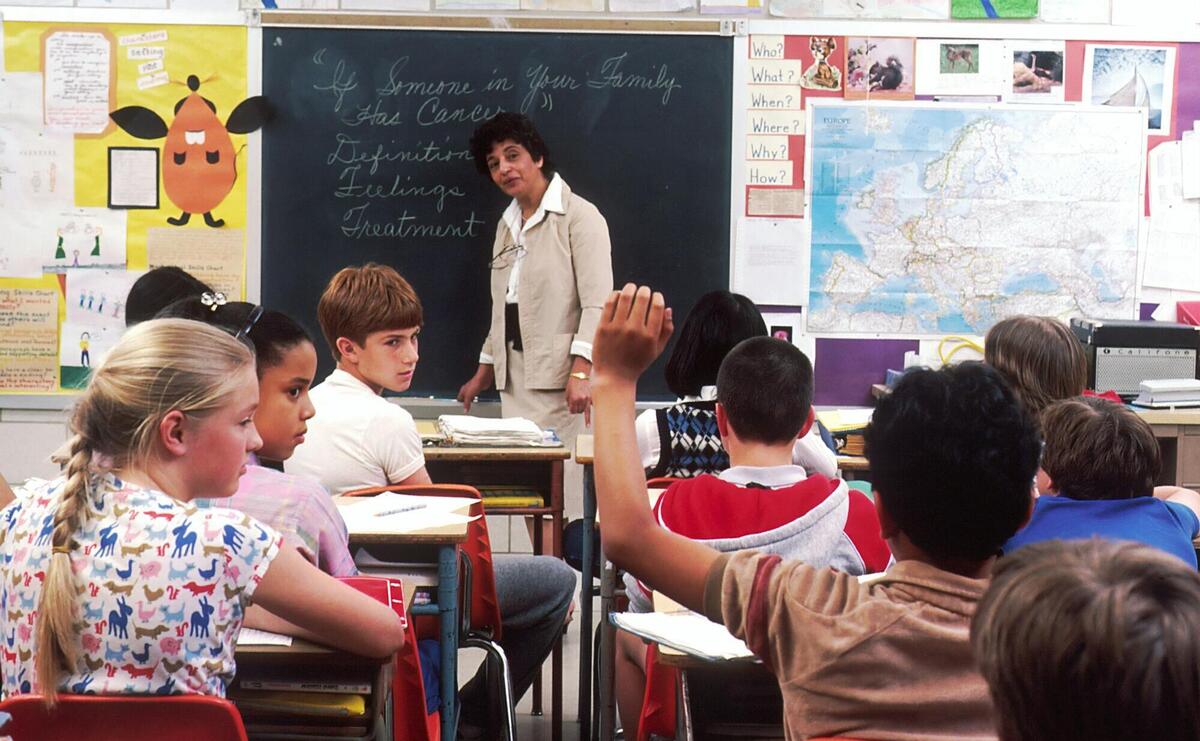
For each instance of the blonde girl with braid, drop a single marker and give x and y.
(112, 581)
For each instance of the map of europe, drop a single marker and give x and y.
(930, 218)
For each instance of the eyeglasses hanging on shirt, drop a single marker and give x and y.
(507, 256)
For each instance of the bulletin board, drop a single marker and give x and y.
(85, 207)
(943, 176)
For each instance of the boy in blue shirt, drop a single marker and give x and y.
(1099, 466)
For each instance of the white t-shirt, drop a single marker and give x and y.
(357, 439)
(809, 452)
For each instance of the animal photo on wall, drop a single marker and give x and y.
(199, 163)
(879, 68)
(823, 74)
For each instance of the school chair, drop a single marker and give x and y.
(480, 626)
(123, 718)
(410, 721)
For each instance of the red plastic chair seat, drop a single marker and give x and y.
(123, 718)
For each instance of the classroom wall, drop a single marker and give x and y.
(31, 426)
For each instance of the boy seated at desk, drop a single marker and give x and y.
(763, 501)
(953, 456)
(371, 318)
(1097, 478)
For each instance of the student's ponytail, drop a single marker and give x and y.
(57, 612)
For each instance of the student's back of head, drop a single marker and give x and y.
(765, 386)
(270, 332)
(159, 288)
(718, 322)
(1039, 357)
(365, 299)
(1096, 449)
(1091, 641)
(953, 455)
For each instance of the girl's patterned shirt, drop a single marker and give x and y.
(162, 588)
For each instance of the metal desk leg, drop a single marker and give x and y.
(585, 607)
(447, 593)
(607, 700)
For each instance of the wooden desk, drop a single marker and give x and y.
(401, 547)
(536, 469)
(304, 659)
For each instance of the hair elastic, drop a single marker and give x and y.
(213, 300)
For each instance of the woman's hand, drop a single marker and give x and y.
(481, 381)
(579, 390)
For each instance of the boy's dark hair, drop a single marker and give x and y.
(718, 321)
(1096, 449)
(1091, 640)
(765, 386)
(364, 299)
(514, 126)
(158, 289)
(272, 334)
(1040, 357)
(953, 454)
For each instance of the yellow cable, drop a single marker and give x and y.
(962, 343)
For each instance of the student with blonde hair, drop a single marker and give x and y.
(1040, 358)
(114, 581)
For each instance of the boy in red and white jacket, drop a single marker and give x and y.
(762, 502)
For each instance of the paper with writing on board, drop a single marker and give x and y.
(28, 339)
(771, 261)
(122, 3)
(776, 71)
(132, 177)
(1144, 12)
(745, 7)
(79, 238)
(766, 147)
(576, 6)
(962, 67)
(81, 348)
(769, 173)
(778, 123)
(776, 97)
(1074, 11)
(1173, 235)
(385, 4)
(37, 172)
(215, 256)
(779, 202)
(880, 9)
(96, 298)
(766, 46)
(650, 6)
(79, 77)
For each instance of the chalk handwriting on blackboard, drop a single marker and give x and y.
(386, 201)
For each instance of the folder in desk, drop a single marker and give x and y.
(684, 631)
(322, 704)
(390, 513)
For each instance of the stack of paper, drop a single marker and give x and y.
(845, 420)
(461, 429)
(391, 513)
(1170, 392)
(684, 631)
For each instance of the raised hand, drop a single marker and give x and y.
(634, 328)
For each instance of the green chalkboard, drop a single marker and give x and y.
(367, 160)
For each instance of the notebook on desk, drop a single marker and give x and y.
(391, 513)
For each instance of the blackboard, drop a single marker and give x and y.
(367, 160)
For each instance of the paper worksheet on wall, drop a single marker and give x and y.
(36, 173)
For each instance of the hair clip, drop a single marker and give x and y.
(212, 300)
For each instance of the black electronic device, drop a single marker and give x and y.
(1121, 353)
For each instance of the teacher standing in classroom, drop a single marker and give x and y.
(551, 270)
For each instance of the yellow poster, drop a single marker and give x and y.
(155, 118)
(29, 311)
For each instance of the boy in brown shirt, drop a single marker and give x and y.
(953, 456)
